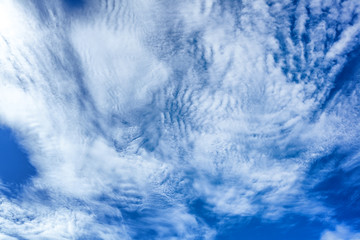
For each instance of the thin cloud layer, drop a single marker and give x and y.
(134, 112)
(340, 232)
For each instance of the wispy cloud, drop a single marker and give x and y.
(131, 110)
(340, 232)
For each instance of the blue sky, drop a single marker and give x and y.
(197, 119)
(15, 166)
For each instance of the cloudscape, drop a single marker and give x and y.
(192, 119)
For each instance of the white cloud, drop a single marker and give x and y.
(6, 237)
(341, 232)
(139, 99)
(39, 222)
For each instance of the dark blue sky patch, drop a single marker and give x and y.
(201, 210)
(142, 225)
(294, 227)
(326, 163)
(341, 192)
(346, 79)
(73, 4)
(15, 167)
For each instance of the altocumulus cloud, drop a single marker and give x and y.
(156, 119)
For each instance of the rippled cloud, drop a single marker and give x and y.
(177, 120)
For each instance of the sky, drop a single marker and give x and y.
(193, 119)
